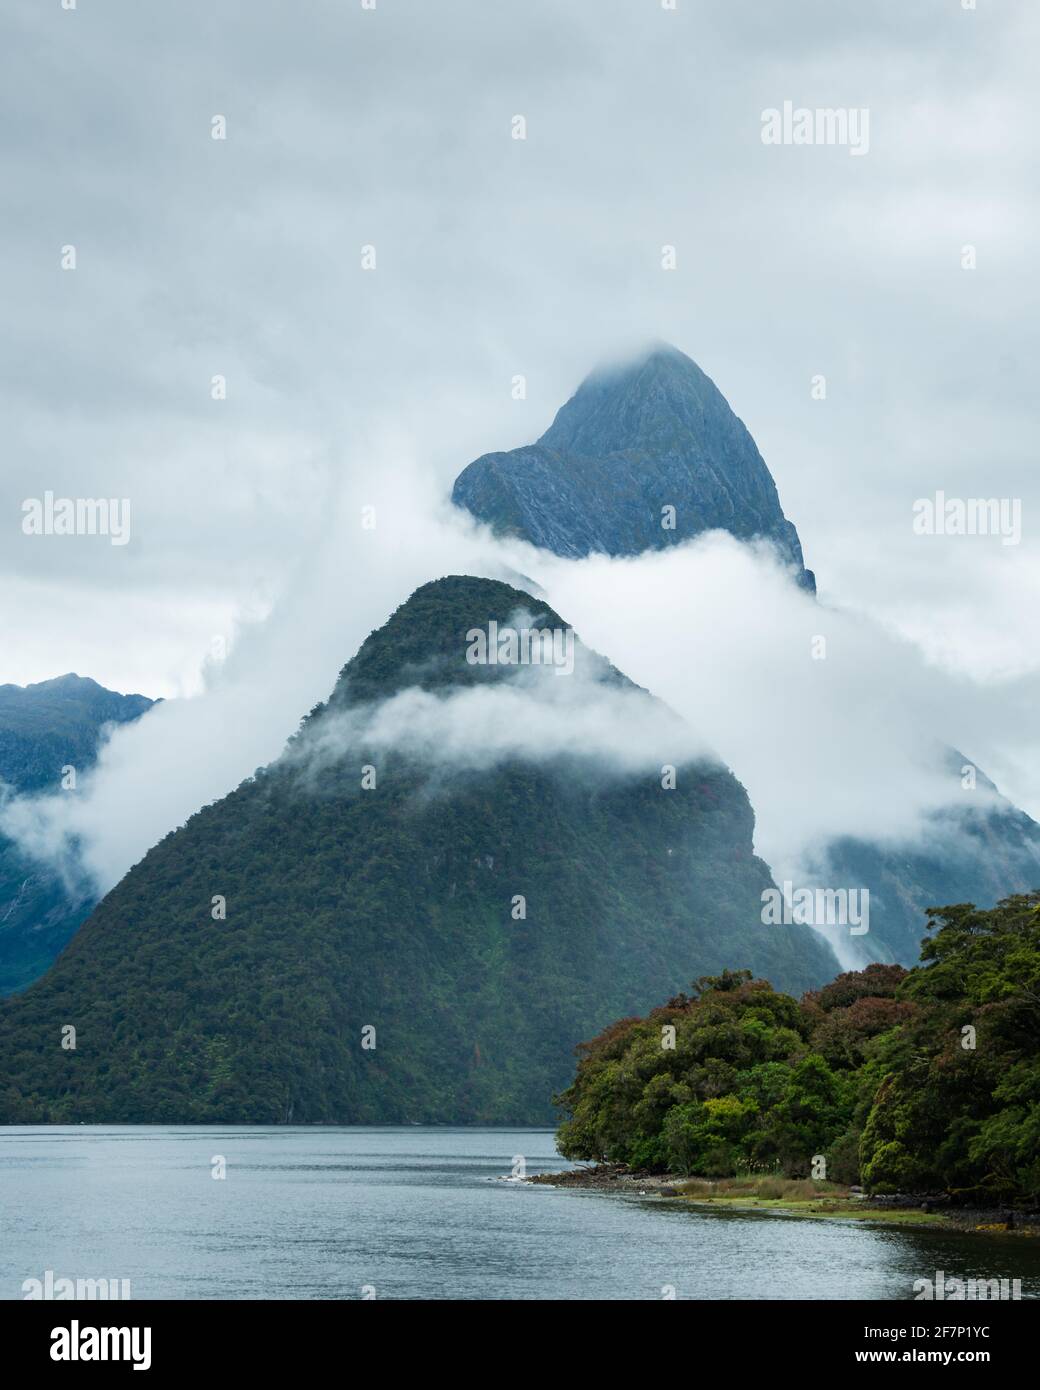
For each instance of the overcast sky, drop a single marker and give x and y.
(392, 127)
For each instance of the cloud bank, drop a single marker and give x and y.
(540, 721)
(834, 725)
(392, 127)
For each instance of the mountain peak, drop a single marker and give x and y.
(69, 681)
(655, 355)
(646, 454)
(650, 399)
(474, 891)
(424, 642)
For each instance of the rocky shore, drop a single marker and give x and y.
(611, 1177)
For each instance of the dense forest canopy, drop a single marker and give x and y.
(925, 1080)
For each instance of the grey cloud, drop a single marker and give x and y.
(499, 257)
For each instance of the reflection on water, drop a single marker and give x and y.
(419, 1213)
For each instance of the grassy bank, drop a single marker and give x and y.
(790, 1197)
(800, 1197)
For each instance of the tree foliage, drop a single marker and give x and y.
(918, 1081)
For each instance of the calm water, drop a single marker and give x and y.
(417, 1213)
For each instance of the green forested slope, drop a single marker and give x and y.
(391, 908)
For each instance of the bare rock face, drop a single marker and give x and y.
(641, 457)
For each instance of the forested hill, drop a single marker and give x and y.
(925, 1081)
(385, 914)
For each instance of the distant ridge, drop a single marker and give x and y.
(44, 727)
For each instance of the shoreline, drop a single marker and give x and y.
(828, 1202)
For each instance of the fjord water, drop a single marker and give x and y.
(311, 1213)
